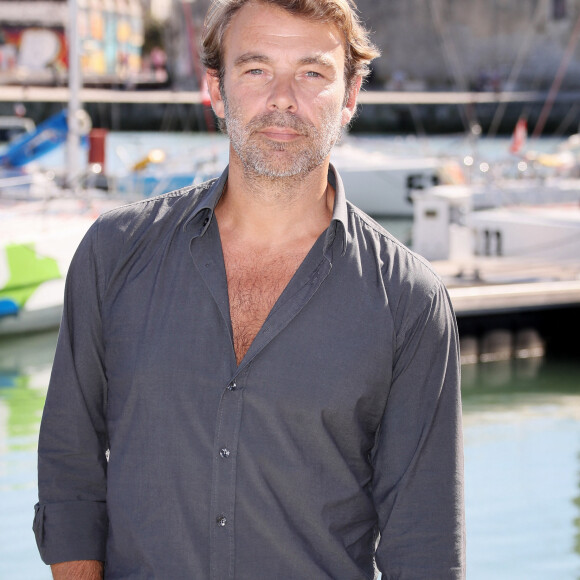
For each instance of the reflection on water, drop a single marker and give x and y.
(24, 371)
(522, 453)
(517, 385)
(522, 442)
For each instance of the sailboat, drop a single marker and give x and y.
(37, 242)
(42, 221)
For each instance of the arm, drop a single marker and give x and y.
(70, 522)
(418, 455)
(79, 570)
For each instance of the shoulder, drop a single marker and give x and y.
(407, 282)
(169, 210)
(401, 268)
(139, 228)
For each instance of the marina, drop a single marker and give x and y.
(520, 378)
(521, 406)
(480, 285)
(516, 318)
(497, 217)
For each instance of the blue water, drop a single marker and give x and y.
(522, 464)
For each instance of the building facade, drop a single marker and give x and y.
(425, 44)
(476, 44)
(33, 40)
(438, 44)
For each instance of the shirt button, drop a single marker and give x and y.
(232, 386)
(225, 453)
(221, 521)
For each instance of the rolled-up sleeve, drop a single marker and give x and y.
(70, 520)
(418, 456)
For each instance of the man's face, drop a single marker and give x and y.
(284, 90)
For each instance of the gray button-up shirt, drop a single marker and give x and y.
(333, 449)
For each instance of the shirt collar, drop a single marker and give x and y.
(204, 210)
(202, 215)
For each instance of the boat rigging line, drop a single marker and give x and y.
(557, 83)
(523, 52)
(453, 63)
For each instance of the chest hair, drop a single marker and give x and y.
(255, 283)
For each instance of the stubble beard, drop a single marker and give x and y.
(265, 158)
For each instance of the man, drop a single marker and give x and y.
(253, 379)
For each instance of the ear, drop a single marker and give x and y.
(213, 87)
(350, 107)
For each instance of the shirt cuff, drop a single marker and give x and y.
(71, 531)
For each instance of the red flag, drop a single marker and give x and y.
(520, 135)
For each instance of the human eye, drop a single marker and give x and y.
(313, 74)
(255, 72)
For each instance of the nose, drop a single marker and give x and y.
(282, 95)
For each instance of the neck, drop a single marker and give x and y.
(272, 211)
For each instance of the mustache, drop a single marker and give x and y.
(277, 119)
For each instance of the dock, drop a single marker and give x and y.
(484, 286)
(510, 308)
(504, 298)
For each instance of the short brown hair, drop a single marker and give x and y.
(360, 51)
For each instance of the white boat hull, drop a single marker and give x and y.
(381, 184)
(37, 243)
(541, 232)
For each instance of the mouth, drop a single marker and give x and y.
(280, 133)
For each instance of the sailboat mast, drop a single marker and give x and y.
(74, 103)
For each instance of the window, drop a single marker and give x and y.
(559, 11)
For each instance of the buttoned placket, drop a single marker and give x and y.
(205, 251)
(224, 482)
